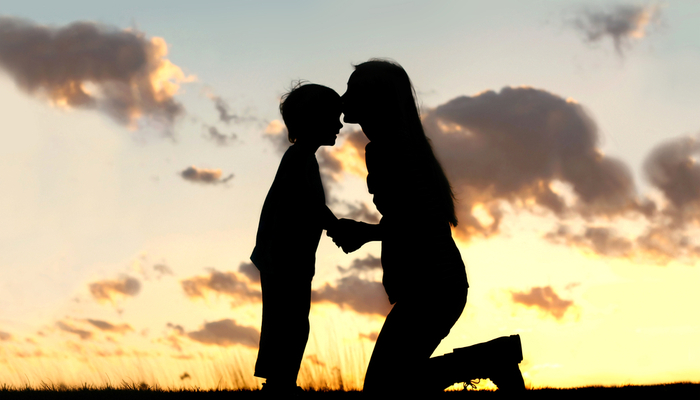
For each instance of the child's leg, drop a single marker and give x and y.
(285, 327)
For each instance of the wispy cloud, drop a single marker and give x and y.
(219, 138)
(224, 283)
(111, 290)
(226, 332)
(622, 24)
(203, 175)
(543, 299)
(372, 336)
(359, 265)
(360, 295)
(83, 334)
(90, 65)
(109, 327)
(162, 269)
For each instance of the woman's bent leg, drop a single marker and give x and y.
(410, 334)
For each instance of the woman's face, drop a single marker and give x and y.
(350, 102)
(357, 107)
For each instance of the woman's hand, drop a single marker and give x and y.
(351, 235)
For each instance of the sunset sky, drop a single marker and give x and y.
(140, 139)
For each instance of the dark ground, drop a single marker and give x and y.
(673, 390)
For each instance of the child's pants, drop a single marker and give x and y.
(285, 326)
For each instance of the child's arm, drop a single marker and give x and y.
(328, 219)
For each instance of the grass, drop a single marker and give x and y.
(143, 391)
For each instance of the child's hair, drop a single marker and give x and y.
(299, 105)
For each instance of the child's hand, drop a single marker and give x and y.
(347, 234)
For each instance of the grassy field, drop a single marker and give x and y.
(673, 390)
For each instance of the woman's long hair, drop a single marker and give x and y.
(393, 87)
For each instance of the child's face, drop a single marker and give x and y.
(326, 123)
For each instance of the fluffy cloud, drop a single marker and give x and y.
(672, 168)
(226, 333)
(516, 145)
(109, 327)
(84, 335)
(622, 24)
(528, 147)
(362, 296)
(225, 283)
(203, 175)
(111, 290)
(89, 65)
(544, 299)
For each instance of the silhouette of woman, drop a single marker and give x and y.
(424, 274)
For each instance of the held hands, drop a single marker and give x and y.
(348, 234)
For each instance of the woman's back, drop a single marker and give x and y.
(417, 238)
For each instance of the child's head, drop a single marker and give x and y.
(312, 114)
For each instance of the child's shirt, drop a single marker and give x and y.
(293, 217)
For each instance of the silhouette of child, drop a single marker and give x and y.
(293, 217)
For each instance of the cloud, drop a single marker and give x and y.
(109, 327)
(226, 333)
(250, 271)
(177, 328)
(5, 336)
(358, 211)
(523, 146)
(369, 263)
(220, 138)
(658, 244)
(162, 269)
(362, 296)
(276, 133)
(372, 336)
(84, 335)
(347, 157)
(515, 145)
(673, 169)
(173, 336)
(94, 66)
(203, 175)
(110, 290)
(663, 244)
(226, 283)
(544, 299)
(223, 108)
(601, 240)
(622, 24)
(531, 149)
